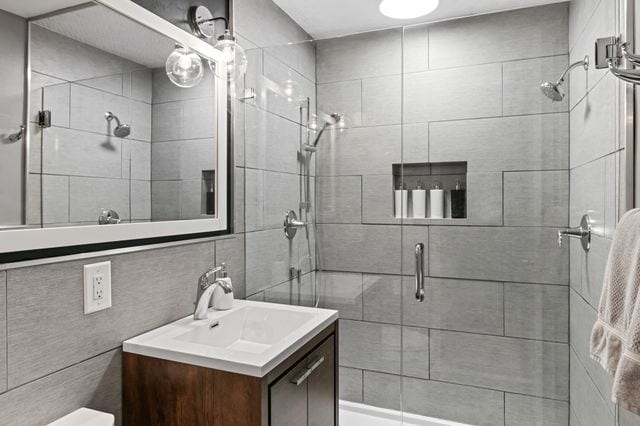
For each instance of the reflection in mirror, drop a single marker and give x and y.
(122, 137)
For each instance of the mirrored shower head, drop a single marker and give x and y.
(554, 91)
(121, 130)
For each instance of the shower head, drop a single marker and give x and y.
(121, 130)
(554, 91)
(331, 120)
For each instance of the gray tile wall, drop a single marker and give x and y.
(81, 165)
(595, 153)
(490, 343)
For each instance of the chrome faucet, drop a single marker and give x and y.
(206, 286)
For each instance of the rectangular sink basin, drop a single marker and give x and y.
(251, 338)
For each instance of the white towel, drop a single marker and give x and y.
(615, 339)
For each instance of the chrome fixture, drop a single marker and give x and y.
(108, 217)
(291, 224)
(582, 232)
(554, 91)
(44, 119)
(419, 252)
(201, 21)
(333, 120)
(249, 93)
(610, 53)
(184, 67)
(15, 137)
(121, 130)
(206, 286)
(306, 372)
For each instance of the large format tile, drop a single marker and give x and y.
(269, 255)
(149, 288)
(88, 196)
(382, 390)
(378, 199)
(341, 291)
(522, 410)
(534, 142)
(580, 11)
(603, 23)
(536, 198)
(485, 198)
(350, 384)
(94, 383)
(536, 311)
(521, 85)
(498, 37)
(381, 296)
(415, 48)
(339, 199)
(140, 200)
(587, 195)
(452, 402)
(514, 365)
(55, 199)
(362, 55)
(56, 98)
(254, 199)
(165, 199)
(370, 346)
(342, 152)
(454, 94)
(501, 254)
(78, 153)
(381, 100)
(343, 97)
(415, 352)
(271, 142)
(285, 88)
(590, 408)
(370, 248)
(593, 124)
(88, 107)
(281, 193)
(472, 306)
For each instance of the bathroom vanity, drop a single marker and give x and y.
(257, 364)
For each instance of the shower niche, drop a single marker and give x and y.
(430, 191)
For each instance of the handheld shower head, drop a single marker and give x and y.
(554, 91)
(334, 119)
(121, 130)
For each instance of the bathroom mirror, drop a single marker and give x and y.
(124, 132)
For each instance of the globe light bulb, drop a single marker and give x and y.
(234, 56)
(184, 68)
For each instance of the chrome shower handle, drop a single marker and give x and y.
(582, 232)
(15, 137)
(419, 252)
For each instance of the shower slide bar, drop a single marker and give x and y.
(610, 53)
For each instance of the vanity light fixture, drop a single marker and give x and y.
(407, 9)
(201, 21)
(184, 67)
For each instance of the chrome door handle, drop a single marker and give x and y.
(306, 372)
(419, 252)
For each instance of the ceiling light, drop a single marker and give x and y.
(407, 9)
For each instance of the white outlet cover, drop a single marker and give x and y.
(90, 271)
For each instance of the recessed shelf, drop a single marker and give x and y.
(428, 176)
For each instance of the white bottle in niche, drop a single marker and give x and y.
(436, 200)
(419, 201)
(402, 202)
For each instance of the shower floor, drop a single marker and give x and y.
(354, 414)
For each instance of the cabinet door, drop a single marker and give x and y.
(321, 385)
(288, 400)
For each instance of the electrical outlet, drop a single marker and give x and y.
(97, 287)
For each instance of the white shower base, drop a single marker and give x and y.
(354, 414)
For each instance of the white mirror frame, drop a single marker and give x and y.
(21, 239)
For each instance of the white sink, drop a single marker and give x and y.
(252, 338)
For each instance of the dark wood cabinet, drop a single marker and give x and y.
(302, 390)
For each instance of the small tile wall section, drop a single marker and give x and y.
(597, 165)
(490, 344)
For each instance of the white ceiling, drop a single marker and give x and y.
(333, 18)
(30, 8)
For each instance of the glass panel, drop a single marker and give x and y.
(485, 166)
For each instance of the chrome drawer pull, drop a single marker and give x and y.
(306, 372)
